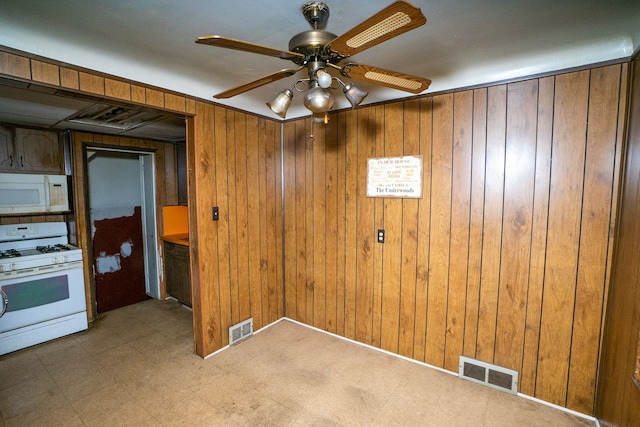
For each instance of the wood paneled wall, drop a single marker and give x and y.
(79, 221)
(236, 262)
(618, 402)
(506, 256)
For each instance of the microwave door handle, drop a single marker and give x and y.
(5, 302)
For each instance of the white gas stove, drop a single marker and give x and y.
(42, 293)
(28, 246)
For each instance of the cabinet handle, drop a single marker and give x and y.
(21, 162)
(10, 159)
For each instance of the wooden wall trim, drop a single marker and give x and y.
(27, 67)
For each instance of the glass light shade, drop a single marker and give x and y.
(281, 103)
(324, 79)
(354, 94)
(320, 118)
(318, 100)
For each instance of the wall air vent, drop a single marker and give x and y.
(114, 117)
(240, 331)
(490, 375)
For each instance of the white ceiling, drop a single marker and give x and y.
(463, 43)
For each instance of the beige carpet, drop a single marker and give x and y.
(136, 367)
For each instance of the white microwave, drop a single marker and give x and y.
(33, 193)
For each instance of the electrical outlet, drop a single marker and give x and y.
(215, 213)
(380, 235)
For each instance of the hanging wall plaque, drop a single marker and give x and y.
(395, 177)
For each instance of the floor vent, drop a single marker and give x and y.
(490, 375)
(240, 331)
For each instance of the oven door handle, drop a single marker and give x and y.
(5, 302)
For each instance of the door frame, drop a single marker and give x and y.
(147, 161)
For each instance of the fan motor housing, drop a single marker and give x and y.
(311, 43)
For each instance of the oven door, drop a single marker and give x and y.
(41, 294)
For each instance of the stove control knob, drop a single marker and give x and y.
(1, 268)
(54, 260)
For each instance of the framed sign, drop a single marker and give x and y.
(395, 177)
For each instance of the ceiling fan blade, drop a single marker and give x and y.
(228, 43)
(386, 78)
(390, 22)
(257, 83)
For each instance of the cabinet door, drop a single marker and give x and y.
(8, 161)
(177, 274)
(40, 151)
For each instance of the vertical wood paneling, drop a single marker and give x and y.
(223, 135)
(271, 239)
(331, 225)
(520, 163)
(460, 206)
(232, 208)
(319, 227)
(440, 238)
(479, 130)
(237, 168)
(424, 212)
(411, 146)
(365, 229)
(492, 225)
(277, 224)
(391, 262)
(242, 219)
(310, 227)
(341, 191)
(300, 235)
(566, 192)
(170, 159)
(503, 259)
(546, 88)
(291, 257)
(253, 229)
(378, 252)
(596, 211)
(261, 283)
(351, 199)
(618, 397)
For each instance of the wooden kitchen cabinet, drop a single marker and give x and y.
(31, 150)
(176, 272)
(6, 149)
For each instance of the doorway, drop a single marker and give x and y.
(122, 213)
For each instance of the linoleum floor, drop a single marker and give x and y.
(135, 366)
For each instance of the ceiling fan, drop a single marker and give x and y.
(318, 51)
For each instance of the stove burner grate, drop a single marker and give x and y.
(52, 248)
(9, 253)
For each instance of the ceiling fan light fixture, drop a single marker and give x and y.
(320, 118)
(354, 94)
(281, 103)
(318, 100)
(324, 79)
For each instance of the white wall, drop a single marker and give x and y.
(114, 184)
